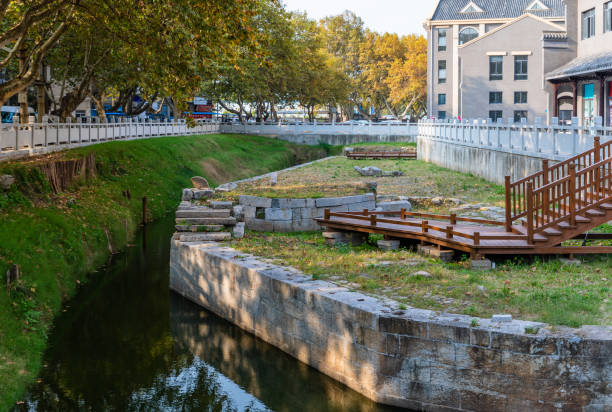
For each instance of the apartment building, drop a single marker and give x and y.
(582, 88)
(489, 58)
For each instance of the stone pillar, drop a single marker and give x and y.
(556, 100)
(575, 98)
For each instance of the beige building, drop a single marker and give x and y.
(582, 88)
(489, 58)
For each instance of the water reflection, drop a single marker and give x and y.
(126, 343)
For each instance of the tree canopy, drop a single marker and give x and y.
(251, 56)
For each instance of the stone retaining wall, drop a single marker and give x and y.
(413, 358)
(488, 163)
(342, 139)
(296, 215)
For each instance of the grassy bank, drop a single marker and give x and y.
(542, 290)
(56, 239)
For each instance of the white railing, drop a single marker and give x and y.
(24, 139)
(368, 129)
(550, 141)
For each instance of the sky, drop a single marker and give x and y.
(394, 16)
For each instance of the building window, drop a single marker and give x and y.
(520, 67)
(495, 97)
(608, 16)
(520, 97)
(442, 115)
(442, 99)
(467, 34)
(588, 24)
(537, 5)
(495, 114)
(519, 115)
(441, 39)
(496, 67)
(441, 71)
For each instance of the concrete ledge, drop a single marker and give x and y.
(411, 358)
(485, 162)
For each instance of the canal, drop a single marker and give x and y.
(126, 342)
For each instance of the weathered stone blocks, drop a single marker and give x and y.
(296, 215)
(411, 358)
(388, 244)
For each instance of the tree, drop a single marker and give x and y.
(29, 30)
(343, 36)
(161, 48)
(320, 79)
(407, 78)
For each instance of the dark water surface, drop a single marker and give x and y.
(125, 342)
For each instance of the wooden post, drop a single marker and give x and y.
(449, 232)
(529, 212)
(545, 197)
(144, 211)
(453, 219)
(326, 214)
(572, 193)
(508, 205)
(373, 220)
(403, 214)
(365, 212)
(424, 226)
(476, 238)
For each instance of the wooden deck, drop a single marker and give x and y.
(477, 239)
(562, 202)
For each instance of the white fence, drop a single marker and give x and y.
(366, 129)
(549, 141)
(18, 140)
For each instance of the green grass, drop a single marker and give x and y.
(336, 177)
(57, 239)
(539, 290)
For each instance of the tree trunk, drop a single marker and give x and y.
(98, 101)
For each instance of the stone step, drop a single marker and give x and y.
(204, 237)
(606, 206)
(202, 213)
(227, 221)
(199, 228)
(220, 205)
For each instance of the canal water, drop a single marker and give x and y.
(126, 342)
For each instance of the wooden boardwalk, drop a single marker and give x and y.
(562, 202)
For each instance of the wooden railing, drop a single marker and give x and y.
(561, 192)
(517, 197)
(373, 220)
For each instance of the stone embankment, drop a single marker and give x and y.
(199, 218)
(411, 358)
